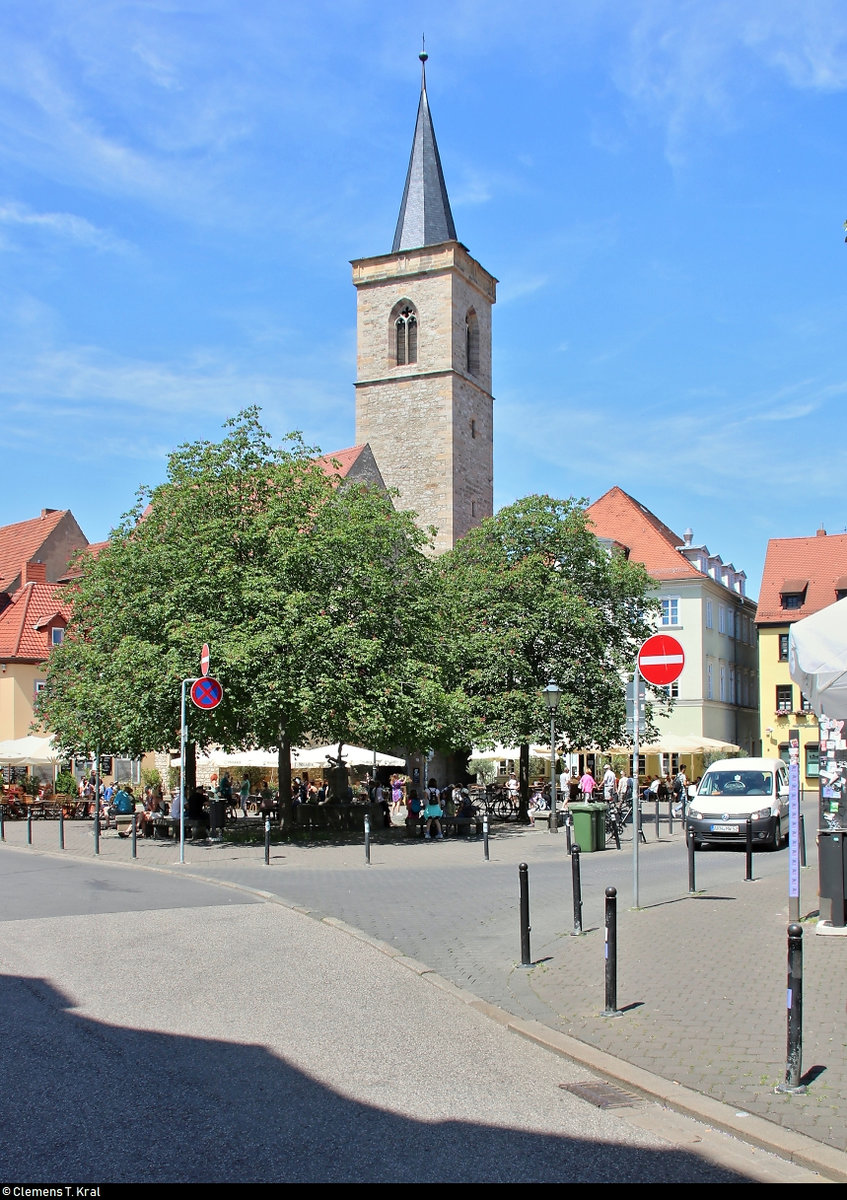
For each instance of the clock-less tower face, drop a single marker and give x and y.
(423, 379)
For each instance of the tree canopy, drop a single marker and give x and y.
(315, 597)
(529, 595)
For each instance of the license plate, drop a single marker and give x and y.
(724, 828)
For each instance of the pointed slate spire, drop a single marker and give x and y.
(425, 218)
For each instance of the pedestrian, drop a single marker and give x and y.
(433, 813)
(587, 784)
(609, 784)
(679, 788)
(398, 785)
(244, 794)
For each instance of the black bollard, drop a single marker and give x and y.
(523, 876)
(795, 1013)
(61, 830)
(268, 839)
(670, 815)
(97, 828)
(2, 822)
(485, 835)
(568, 837)
(367, 839)
(611, 1009)
(748, 855)
(134, 835)
(692, 850)
(577, 891)
(29, 828)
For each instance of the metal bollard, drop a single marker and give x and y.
(670, 815)
(577, 891)
(97, 828)
(748, 855)
(2, 822)
(268, 839)
(794, 1004)
(568, 837)
(485, 835)
(692, 850)
(134, 835)
(611, 945)
(523, 876)
(61, 830)
(367, 839)
(29, 828)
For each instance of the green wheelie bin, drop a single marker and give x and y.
(589, 826)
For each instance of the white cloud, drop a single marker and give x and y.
(66, 226)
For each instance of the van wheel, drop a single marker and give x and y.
(776, 841)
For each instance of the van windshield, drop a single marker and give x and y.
(736, 783)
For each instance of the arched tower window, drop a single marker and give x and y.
(406, 336)
(472, 340)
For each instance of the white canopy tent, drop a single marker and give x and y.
(817, 659)
(303, 758)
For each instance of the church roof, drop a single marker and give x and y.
(425, 218)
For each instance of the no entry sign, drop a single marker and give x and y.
(206, 693)
(661, 659)
(204, 659)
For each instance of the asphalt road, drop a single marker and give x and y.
(164, 1029)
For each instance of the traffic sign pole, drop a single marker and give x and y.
(636, 790)
(183, 739)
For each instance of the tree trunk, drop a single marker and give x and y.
(283, 763)
(523, 810)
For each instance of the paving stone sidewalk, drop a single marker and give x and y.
(701, 978)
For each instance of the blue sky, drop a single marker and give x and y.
(659, 187)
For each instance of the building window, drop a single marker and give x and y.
(671, 690)
(784, 752)
(783, 647)
(406, 335)
(813, 760)
(472, 340)
(39, 686)
(805, 704)
(710, 687)
(709, 617)
(721, 619)
(732, 696)
(670, 611)
(473, 428)
(784, 698)
(792, 599)
(723, 683)
(57, 636)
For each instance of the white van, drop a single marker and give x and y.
(733, 790)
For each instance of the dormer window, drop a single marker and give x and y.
(406, 336)
(792, 594)
(57, 636)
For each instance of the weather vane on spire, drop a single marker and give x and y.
(423, 56)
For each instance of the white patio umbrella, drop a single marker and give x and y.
(817, 659)
(29, 751)
(313, 757)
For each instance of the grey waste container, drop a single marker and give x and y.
(589, 826)
(832, 867)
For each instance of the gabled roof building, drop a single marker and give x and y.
(705, 607)
(32, 623)
(802, 575)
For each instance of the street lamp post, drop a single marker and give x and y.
(552, 694)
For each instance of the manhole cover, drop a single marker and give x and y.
(602, 1095)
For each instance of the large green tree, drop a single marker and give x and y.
(315, 598)
(532, 594)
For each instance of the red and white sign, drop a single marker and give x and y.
(661, 659)
(204, 659)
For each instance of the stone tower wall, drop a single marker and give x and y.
(429, 424)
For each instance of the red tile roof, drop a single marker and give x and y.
(813, 567)
(22, 541)
(345, 460)
(621, 518)
(25, 624)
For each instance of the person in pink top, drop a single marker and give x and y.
(587, 784)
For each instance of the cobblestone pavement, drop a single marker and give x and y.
(701, 976)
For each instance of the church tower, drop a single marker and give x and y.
(423, 377)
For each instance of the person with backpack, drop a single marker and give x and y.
(433, 812)
(679, 788)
